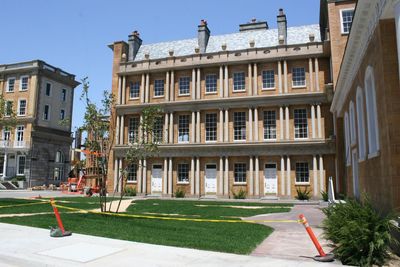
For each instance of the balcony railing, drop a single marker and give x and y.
(14, 144)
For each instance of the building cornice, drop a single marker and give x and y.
(365, 21)
(39, 67)
(232, 102)
(277, 148)
(253, 55)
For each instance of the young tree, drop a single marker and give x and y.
(98, 122)
(142, 144)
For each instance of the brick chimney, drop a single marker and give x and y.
(282, 27)
(203, 35)
(134, 43)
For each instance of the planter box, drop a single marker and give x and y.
(22, 184)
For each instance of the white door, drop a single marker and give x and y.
(211, 179)
(270, 179)
(156, 179)
(354, 166)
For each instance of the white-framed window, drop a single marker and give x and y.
(8, 108)
(62, 114)
(183, 173)
(48, 89)
(21, 107)
(46, 112)
(360, 124)
(184, 85)
(58, 173)
(346, 19)
(59, 157)
(158, 130)
(347, 138)
(239, 126)
(298, 77)
(268, 79)
(353, 138)
(269, 124)
(302, 172)
(211, 83)
(63, 95)
(23, 83)
(240, 172)
(19, 136)
(300, 123)
(372, 113)
(211, 127)
(10, 84)
(239, 81)
(21, 160)
(183, 128)
(158, 88)
(134, 90)
(6, 136)
(132, 173)
(133, 130)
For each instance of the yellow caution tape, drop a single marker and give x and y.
(27, 204)
(175, 218)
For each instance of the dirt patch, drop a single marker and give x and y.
(243, 207)
(170, 214)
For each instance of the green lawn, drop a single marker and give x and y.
(239, 238)
(204, 209)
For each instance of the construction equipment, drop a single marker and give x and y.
(83, 180)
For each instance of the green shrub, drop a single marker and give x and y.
(239, 195)
(302, 194)
(359, 234)
(180, 193)
(325, 196)
(130, 191)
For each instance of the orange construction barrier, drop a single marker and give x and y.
(322, 255)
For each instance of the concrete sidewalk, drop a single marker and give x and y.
(290, 240)
(27, 246)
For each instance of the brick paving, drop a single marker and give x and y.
(290, 240)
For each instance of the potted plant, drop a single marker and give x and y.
(21, 182)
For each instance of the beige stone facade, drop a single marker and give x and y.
(366, 107)
(254, 118)
(39, 146)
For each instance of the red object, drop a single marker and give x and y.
(60, 224)
(310, 232)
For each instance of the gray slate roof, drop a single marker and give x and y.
(234, 41)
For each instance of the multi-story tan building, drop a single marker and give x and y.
(247, 110)
(38, 147)
(366, 106)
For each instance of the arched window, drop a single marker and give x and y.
(360, 124)
(372, 115)
(59, 157)
(347, 138)
(353, 138)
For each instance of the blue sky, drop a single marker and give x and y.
(74, 34)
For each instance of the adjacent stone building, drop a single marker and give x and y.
(247, 110)
(366, 106)
(39, 146)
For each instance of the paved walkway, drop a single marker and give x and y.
(114, 205)
(290, 240)
(27, 246)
